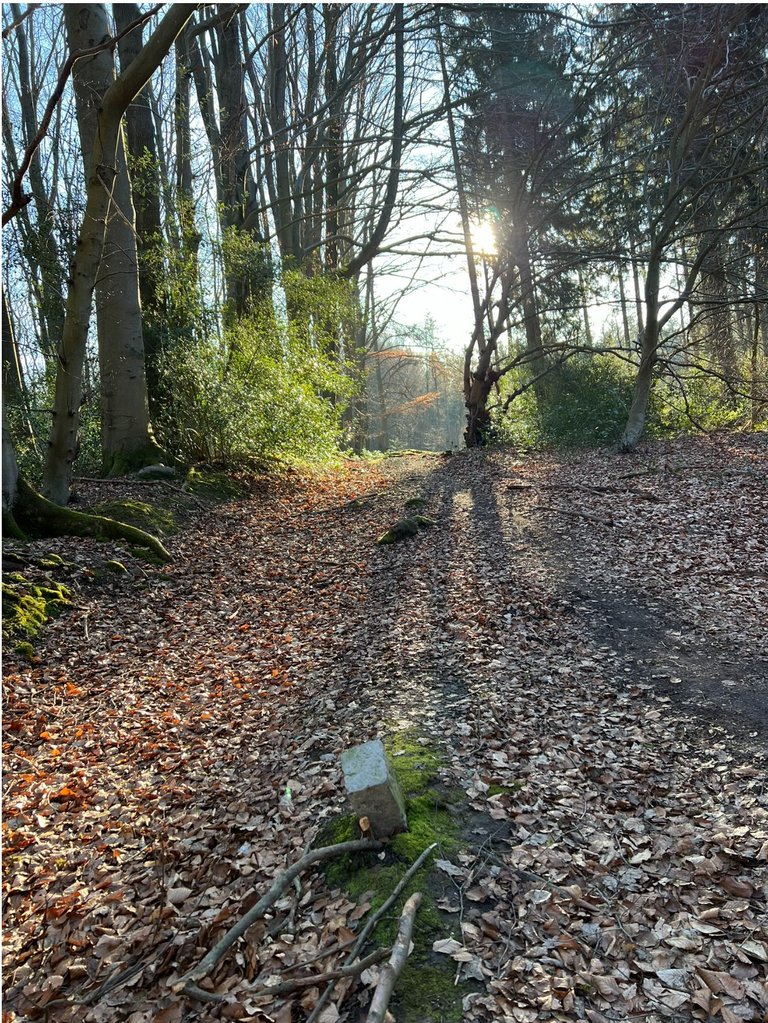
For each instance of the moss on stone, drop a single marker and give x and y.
(52, 561)
(426, 989)
(28, 606)
(141, 514)
(404, 528)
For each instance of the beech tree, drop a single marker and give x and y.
(125, 431)
(101, 175)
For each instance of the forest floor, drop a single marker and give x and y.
(579, 645)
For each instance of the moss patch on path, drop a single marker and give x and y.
(425, 990)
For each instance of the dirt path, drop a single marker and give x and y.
(178, 742)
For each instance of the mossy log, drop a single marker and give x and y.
(404, 528)
(34, 512)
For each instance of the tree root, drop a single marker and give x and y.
(34, 512)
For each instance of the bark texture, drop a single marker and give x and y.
(125, 431)
(101, 172)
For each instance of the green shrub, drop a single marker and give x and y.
(271, 386)
(583, 402)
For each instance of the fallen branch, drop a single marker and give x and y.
(579, 515)
(188, 983)
(285, 987)
(646, 495)
(371, 922)
(400, 952)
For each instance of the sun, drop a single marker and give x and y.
(483, 238)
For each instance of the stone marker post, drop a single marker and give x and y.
(373, 789)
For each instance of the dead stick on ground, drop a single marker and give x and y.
(188, 982)
(373, 919)
(578, 515)
(587, 489)
(400, 952)
(352, 970)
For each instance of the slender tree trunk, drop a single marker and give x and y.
(624, 313)
(636, 286)
(142, 146)
(10, 479)
(585, 308)
(126, 437)
(40, 242)
(633, 430)
(101, 172)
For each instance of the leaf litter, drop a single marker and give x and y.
(176, 745)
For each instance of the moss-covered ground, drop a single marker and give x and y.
(425, 990)
(152, 518)
(27, 606)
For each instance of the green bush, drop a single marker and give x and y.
(271, 387)
(586, 402)
(583, 402)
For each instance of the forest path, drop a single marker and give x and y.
(178, 741)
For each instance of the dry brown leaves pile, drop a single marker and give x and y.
(177, 744)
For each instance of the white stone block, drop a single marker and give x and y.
(373, 789)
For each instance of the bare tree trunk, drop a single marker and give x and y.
(636, 286)
(126, 437)
(142, 146)
(633, 430)
(585, 307)
(10, 479)
(101, 172)
(624, 314)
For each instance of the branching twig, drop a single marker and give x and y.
(587, 489)
(373, 919)
(579, 515)
(394, 967)
(187, 983)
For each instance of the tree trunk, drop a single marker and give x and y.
(39, 242)
(101, 172)
(125, 431)
(144, 173)
(633, 430)
(624, 313)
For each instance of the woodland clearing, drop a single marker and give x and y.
(579, 645)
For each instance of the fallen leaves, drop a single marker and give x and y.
(163, 768)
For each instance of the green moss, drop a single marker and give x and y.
(426, 989)
(52, 561)
(415, 502)
(141, 514)
(25, 650)
(414, 764)
(44, 518)
(116, 566)
(427, 993)
(27, 606)
(150, 557)
(428, 822)
(504, 790)
(214, 485)
(404, 528)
